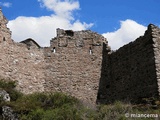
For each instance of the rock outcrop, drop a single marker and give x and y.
(4, 96)
(7, 112)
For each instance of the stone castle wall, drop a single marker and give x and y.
(5, 33)
(71, 64)
(20, 64)
(81, 64)
(156, 48)
(74, 63)
(130, 73)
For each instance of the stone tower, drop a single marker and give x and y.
(132, 73)
(5, 33)
(74, 63)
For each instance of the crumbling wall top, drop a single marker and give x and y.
(31, 43)
(2, 18)
(5, 33)
(84, 38)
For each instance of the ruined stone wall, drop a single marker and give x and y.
(74, 64)
(156, 46)
(5, 33)
(20, 64)
(76, 61)
(129, 74)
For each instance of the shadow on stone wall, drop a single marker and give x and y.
(129, 74)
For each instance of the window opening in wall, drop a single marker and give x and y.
(54, 50)
(4, 39)
(108, 86)
(69, 33)
(90, 50)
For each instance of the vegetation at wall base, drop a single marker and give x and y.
(9, 87)
(59, 106)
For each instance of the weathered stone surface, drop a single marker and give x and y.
(5, 33)
(156, 48)
(71, 64)
(132, 72)
(76, 61)
(17, 62)
(8, 113)
(4, 96)
(74, 67)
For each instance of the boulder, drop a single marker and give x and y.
(4, 96)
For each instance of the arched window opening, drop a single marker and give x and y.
(54, 50)
(4, 39)
(90, 50)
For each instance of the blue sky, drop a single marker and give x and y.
(120, 21)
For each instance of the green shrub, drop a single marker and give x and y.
(59, 99)
(37, 114)
(41, 106)
(114, 111)
(9, 87)
(7, 84)
(64, 113)
(58, 106)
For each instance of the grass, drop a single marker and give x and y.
(58, 106)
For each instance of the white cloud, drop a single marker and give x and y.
(6, 4)
(43, 28)
(63, 8)
(129, 31)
